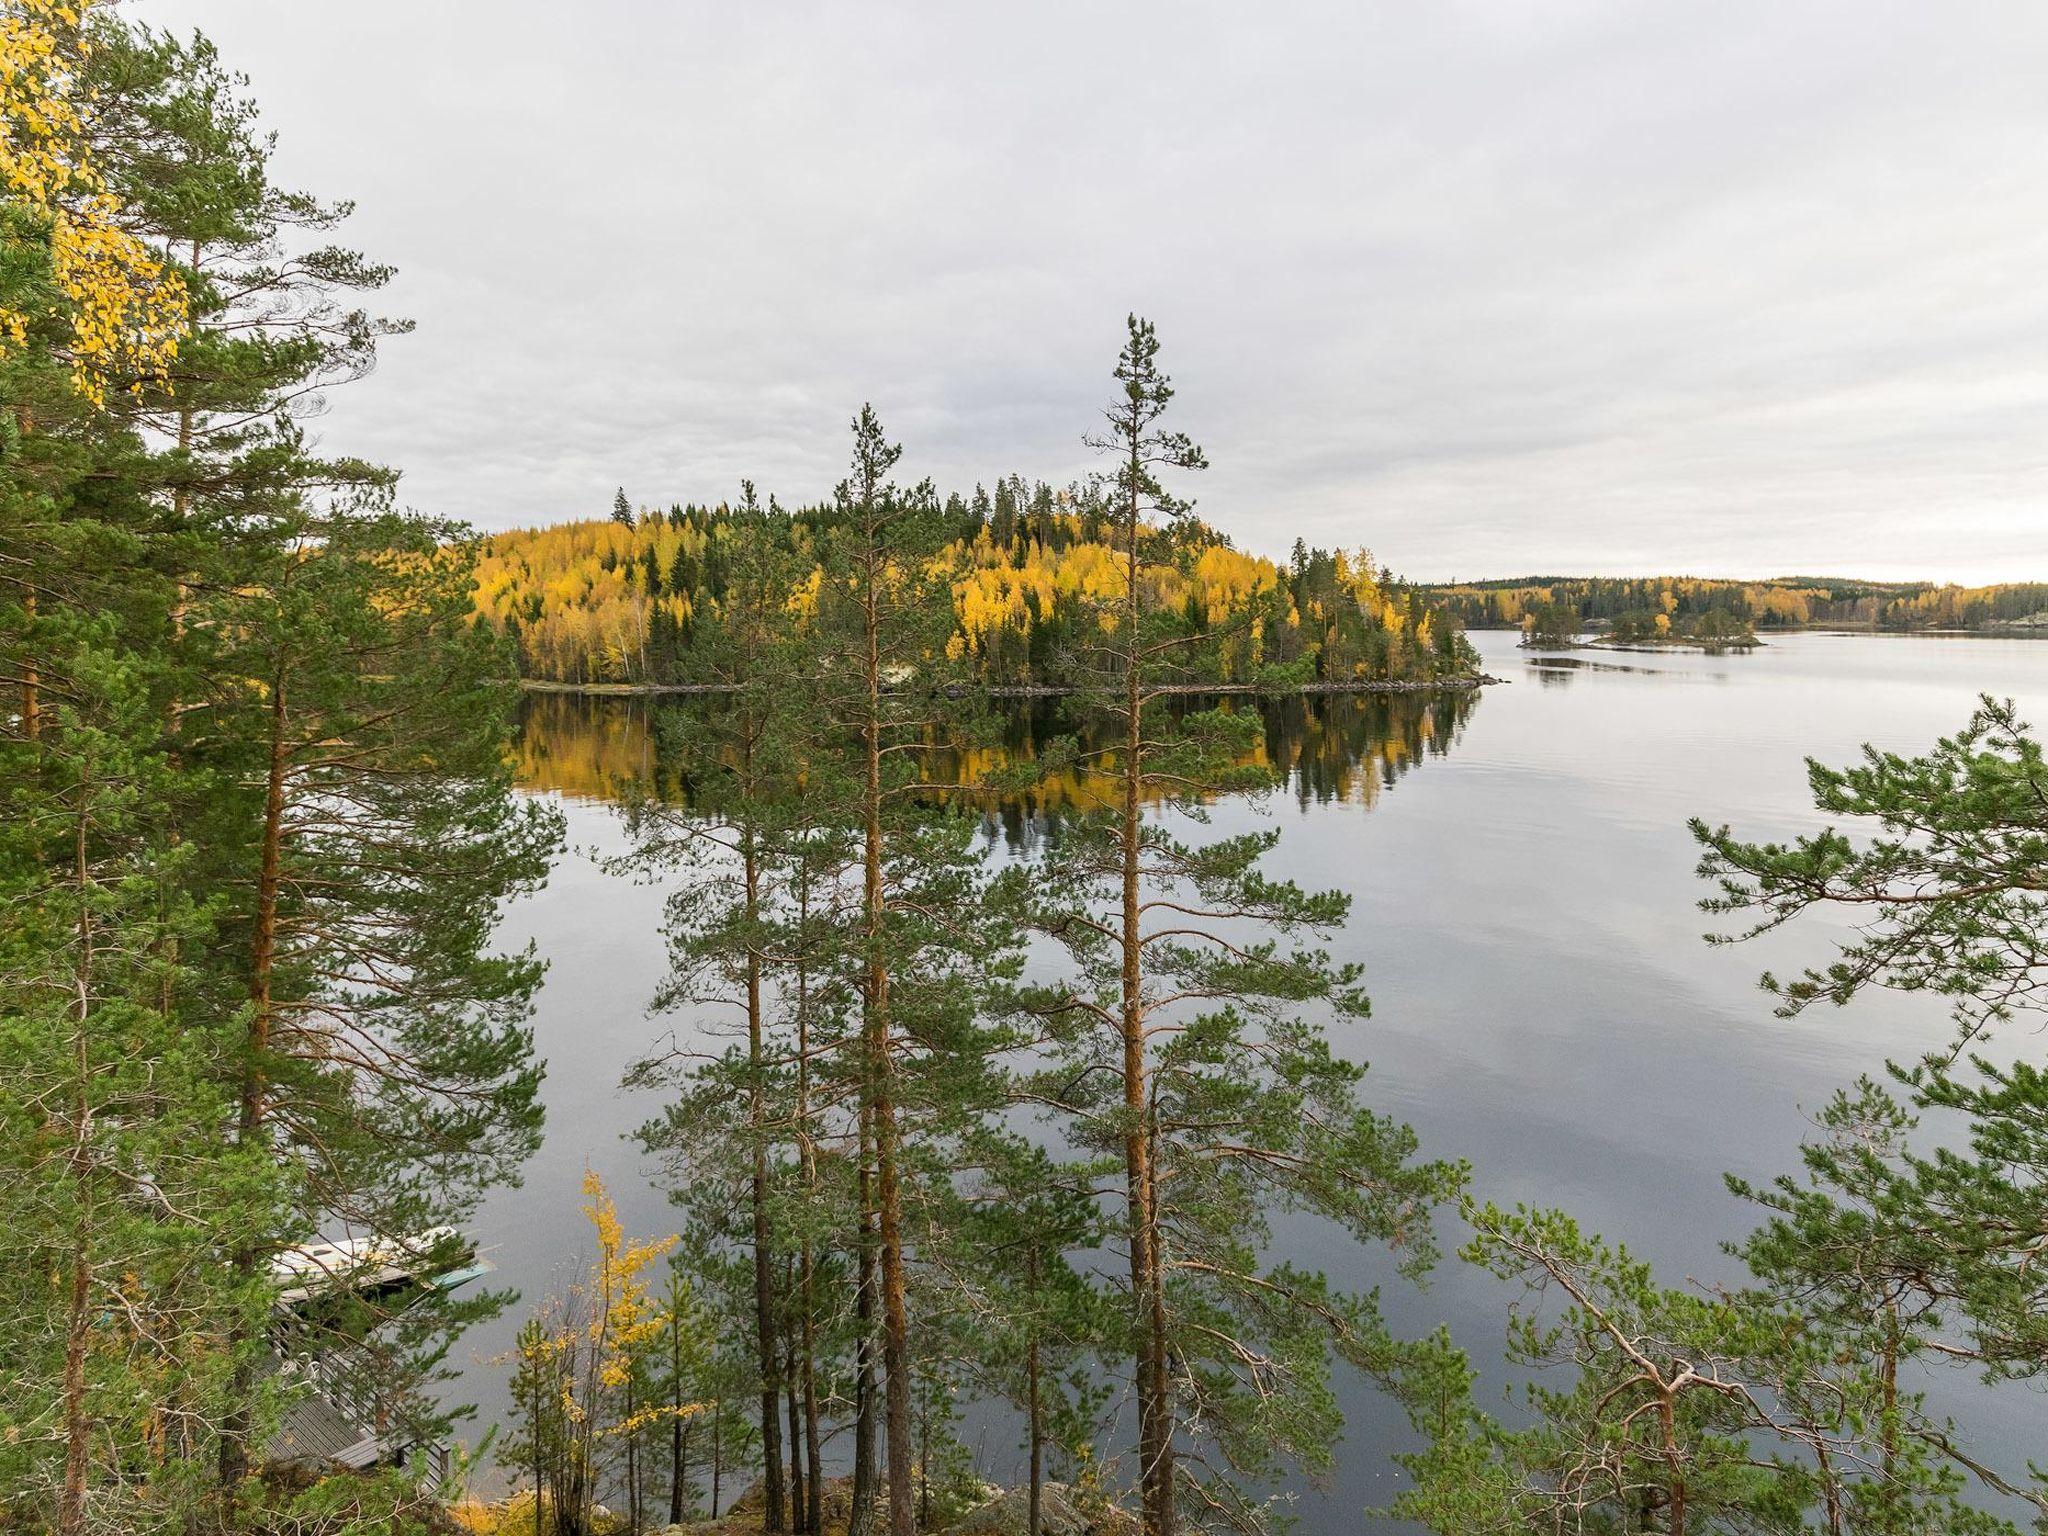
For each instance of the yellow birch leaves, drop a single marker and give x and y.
(125, 308)
(622, 1317)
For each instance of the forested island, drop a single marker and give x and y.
(954, 1131)
(1559, 626)
(627, 599)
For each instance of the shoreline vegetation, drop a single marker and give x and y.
(1020, 577)
(1280, 690)
(632, 603)
(875, 1234)
(2000, 629)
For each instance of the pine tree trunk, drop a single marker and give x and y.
(77, 1422)
(1161, 1346)
(888, 1192)
(764, 1282)
(860, 1518)
(797, 1486)
(632, 1462)
(237, 1422)
(895, 1330)
(1674, 1493)
(676, 1480)
(1830, 1487)
(679, 1495)
(1034, 1410)
(78, 1305)
(31, 683)
(677, 1483)
(1889, 1378)
(539, 1454)
(1155, 1436)
(813, 1518)
(924, 1461)
(814, 1449)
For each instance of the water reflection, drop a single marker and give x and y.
(1325, 749)
(1524, 912)
(1557, 671)
(583, 747)
(1549, 666)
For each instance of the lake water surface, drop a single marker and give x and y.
(1524, 908)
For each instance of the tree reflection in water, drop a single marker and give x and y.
(1322, 748)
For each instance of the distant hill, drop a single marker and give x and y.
(1776, 602)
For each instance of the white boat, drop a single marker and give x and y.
(375, 1263)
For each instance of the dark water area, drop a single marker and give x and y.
(1524, 908)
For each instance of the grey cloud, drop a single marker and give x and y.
(1595, 284)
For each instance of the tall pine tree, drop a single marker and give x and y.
(1189, 1038)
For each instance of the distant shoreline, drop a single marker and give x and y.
(1043, 691)
(1234, 690)
(2011, 629)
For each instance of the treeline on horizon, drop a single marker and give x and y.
(628, 598)
(1778, 602)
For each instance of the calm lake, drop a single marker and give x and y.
(1524, 908)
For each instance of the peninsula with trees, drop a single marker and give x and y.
(627, 601)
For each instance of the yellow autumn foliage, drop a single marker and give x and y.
(616, 602)
(622, 1315)
(125, 309)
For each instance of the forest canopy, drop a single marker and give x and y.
(627, 598)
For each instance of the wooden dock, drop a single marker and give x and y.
(325, 1425)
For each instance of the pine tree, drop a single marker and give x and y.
(1030, 1321)
(745, 760)
(1680, 1412)
(106, 1086)
(384, 1062)
(1190, 1049)
(1936, 1242)
(685, 1351)
(323, 1004)
(1786, 1405)
(109, 1086)
(928, 947)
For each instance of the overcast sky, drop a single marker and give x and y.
(1580, 285)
